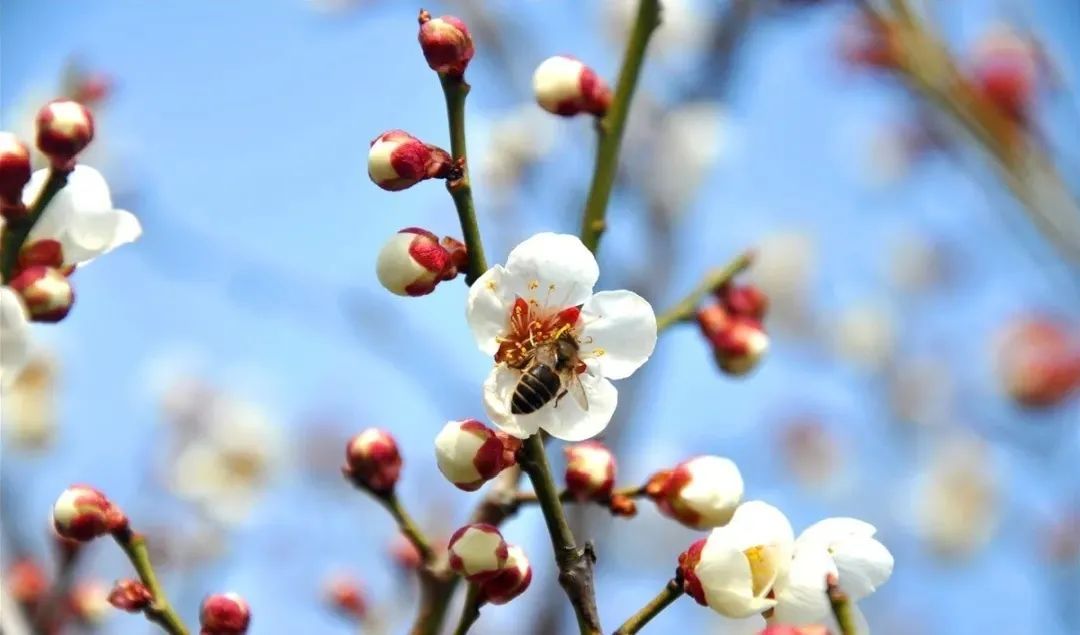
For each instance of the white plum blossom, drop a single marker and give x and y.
(81, 216)
(14, 336)
(545, 291)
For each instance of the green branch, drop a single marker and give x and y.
(160, 611)
(685, 309)
(671, 592)
(17, 230)
(455, 89)
(471, 611)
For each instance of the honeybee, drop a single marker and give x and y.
(549, 373)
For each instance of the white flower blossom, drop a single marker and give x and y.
(14, 336)
(81, 216)
(544, 292)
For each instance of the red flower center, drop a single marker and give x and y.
(531, 325)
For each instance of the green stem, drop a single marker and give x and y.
(841, 607)
(685, 309)
(471, 611)
(575, 564)
(610, 128)
(160, 611)
(671, 592)
(455, 89)
(408, 527)
(17, 230)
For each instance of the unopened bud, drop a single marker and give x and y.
(64, 129)
(1038, 361)
(344, 594)
(224, 614)
(45, 252)
(784, 629)
(1006, 67)
(868, 41)
(622, 505)
(511, 581)
(14, 169)
(477, 551)
(738, 342)
(131, 596)
(405, 554)
(688, 562)
(46, 292)
(397, 160)
(89, 602)
(446, 43)
(590, 471)
(27, 582)
(744, 300)
(469, 453)
(459, 253)
(372, 461)
(701, 493)
(565, 86)
(83, 513)
(413, 263)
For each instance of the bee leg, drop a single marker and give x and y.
(559, 396)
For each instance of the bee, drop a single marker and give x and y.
(549, 373)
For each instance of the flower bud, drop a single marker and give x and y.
(45, 252)
(868, 41)
(590, 471)
(744, 300)
(1006, 67)
(224, 614)
(688, 562)
(1038, 361)
(701, 493)
(784, 629)
(413, 263)
(511, 581)
(565, 86)
(738, 342)
(82, 513)
(477, 551)
(469, 453)
(27, 582)
(46, 292)
(397, 160)
(64, 129)
(373, 461)
(405, 554)
(14, 169)
(344, 594)
(446, 43)
(89, 602)
(131, 596)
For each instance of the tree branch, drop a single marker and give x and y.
(685, 309)
(455, 89)
(160, 611)
(671, 592)
(841, 606)
(17, 230)
(408, 527)
(471, 611)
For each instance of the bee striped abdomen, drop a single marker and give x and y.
(537, 386)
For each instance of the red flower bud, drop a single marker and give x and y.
(446, 43)
(373, 461)
(868, 41)
(783, 629)
(46, 292)
(745, 300)
(14, 169)
(1006, 67)
(224, 614)
(688, 562)
(27, 582)
(1038, 361)
(590, 470)
(565, 86)
(469, 454)
(344, 594)
(700, 493)
(64, 129)
(405, 553)
(82, 513)
(397, 160)
(45, 252)
(477, 551)
(511, 581)
(738, 342)
(413, 263)
(131, 596)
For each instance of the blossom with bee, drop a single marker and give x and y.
(555, 343)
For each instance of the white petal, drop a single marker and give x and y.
(714, 490)
(801, 599)
(90, 235)
(759, 523)
(864, 564)
(57, 215)
(726, 579)
(622, 328)
(557, 268)
(498, 388)
(488, 308)
(831, 529)
(566, 421)
(88, 190)
(14, 336)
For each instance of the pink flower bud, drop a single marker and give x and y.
(469, 453)
(27, 582)
(46, 292)
(64, 129)
(590, 471)
(373, 461)
(744, 300)
(83, 513)
(867, 41)
(413, 263)
(131, 596)
(701, 493)
(45, 252)
(405, 554)
(224, 614)
(397, 160)
(345, 595)
(446, 43)
(14, 169)
(738, 342)
(89, 602)
(688, 562)
(477, 551)
(1006, 68)
(783, 629)
(565, 86)
(509, 582)
(1038, 361)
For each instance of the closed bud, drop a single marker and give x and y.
(511, 581)
(565, 86)
(27, 582)
(405, 554)
(745, 300)
(469, 453)
(397, 160)
(344, 595)
(784, 629)
(1038, 361)
(82, 513)
(131, 596)
(446, 43)
(738, 341)
(590, 471)
(14, 169)
(372, 461)
(1006, 67)
(45, 252)
(477, 551)
(89, 602)
(688, 562)
(45, 291)
(701, 493)
(224, 614)
(869, 41)
(64, 129)
(413, 263)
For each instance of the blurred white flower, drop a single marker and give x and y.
(865, 335)
(14, 336)
(683, 28)
(514, 142)
(29, 407)
(784, 267)
(690, 141)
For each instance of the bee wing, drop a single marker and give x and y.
(574, 387)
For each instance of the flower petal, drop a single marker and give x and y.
(92, 234)
(863, 563)
(622, 328)
(800, 598)
(88, 190)
(759, 523)
(488, 308)
(498, 388)
(14, 336)
(558, 266)
(726, 579)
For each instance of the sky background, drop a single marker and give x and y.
(238, 134)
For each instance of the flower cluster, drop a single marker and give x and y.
(733, 327)
(500, 571)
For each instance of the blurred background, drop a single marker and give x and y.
(925, 320)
